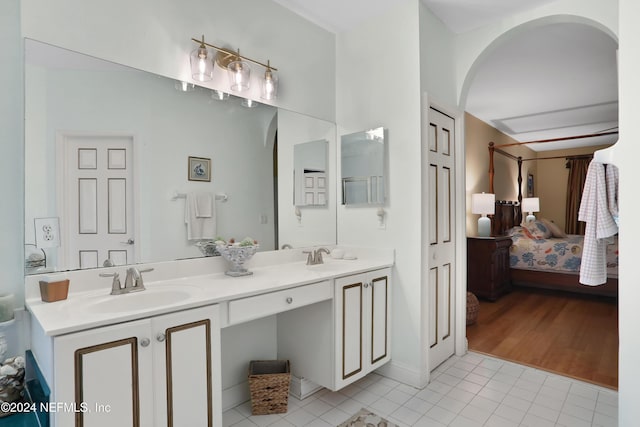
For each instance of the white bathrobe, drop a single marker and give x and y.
(598, 194)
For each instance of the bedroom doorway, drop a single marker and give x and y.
(577, 333)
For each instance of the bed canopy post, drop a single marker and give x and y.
(520, 180)
(492, 171)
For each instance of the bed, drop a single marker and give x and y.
(544, 259)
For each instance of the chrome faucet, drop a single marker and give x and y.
(132, 283)
(318, 255)
(315, 256)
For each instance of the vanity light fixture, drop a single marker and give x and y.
(237, 66)
(531, 205)
(249, 103)
(239, 74)
(483, 204)
(201, 63)
(184, 86)
(219, 95)
(269, 83)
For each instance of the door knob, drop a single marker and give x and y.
(289, 300)
(144, 342)
(129, 241)
(160, 337)
(366, 284)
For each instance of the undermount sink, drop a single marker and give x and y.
(330, 266)
(139, 300)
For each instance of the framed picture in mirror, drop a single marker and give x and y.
(199, 169)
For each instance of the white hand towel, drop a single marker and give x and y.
(198, 227)
(204, 205)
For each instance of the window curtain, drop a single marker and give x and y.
(577, 176)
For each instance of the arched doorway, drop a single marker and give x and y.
(522, 55)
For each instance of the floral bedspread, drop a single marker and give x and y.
(555, 254)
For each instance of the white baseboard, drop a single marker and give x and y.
(235, 395)
(404, 374)
(302, 387)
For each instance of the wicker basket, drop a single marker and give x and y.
(269, 386)
(473, 307)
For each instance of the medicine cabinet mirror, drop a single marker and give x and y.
(363, 166)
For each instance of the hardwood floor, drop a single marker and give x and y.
(569, 334)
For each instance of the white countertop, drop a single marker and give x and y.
(207, 285)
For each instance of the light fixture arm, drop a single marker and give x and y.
(232, 53)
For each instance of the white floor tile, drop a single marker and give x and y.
(406, 415)
(336, 416)
(496, 421)
(469, 391)
(441, 415)
(231, 417)
(461, 421)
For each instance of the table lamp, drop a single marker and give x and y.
(483, 204)
(531, 205)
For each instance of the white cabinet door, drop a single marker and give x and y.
(187, 368)
(103, 377)
(157, 372)
(362, 325)
(379, 319)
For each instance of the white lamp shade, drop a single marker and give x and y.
(483, 203)
(531, 204)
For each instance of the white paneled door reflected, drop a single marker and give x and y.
(97, 200)
(441, 249)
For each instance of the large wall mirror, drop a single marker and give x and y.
(363, 166)
(111, 152)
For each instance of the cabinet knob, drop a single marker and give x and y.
(160, 337)
(144, 342)
(366, 284)
(289, 300)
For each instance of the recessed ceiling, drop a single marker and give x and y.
(554, 81)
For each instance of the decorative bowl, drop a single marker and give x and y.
(208, 248)
(237, 255)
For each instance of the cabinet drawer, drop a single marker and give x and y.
(244, 309)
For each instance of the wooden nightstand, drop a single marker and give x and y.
(488, 274)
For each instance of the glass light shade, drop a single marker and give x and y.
(531, 204)
(184, 86)
(269, 84)
(201, 64)
(483, 203)
(219, 95)
(249, 103)
(239, 75)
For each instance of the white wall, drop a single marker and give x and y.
(627, 157)
(378, 84)
(155, 36)
(11, 152)
(168, 126)
(317, 225)
(471, 46)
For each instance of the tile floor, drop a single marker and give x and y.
(469, 391)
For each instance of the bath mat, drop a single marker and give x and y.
(366, 418)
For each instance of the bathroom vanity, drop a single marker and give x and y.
(153, 358)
